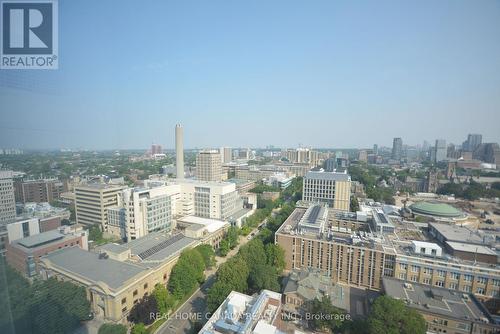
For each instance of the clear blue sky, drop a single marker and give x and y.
(254, 73)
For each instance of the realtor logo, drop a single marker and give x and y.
(29, 34)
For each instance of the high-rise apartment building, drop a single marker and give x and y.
(331, 188)
(226, 154)
(209, 166)
(302, 155)
(7, 198)
(156, 149)
(440, 150)
(472, 142)
(93, 201)
(397, 148)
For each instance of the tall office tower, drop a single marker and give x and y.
(331, 188)
(7, 199)
(92, 202)
(397, 148)
(375, 149)
(226, 154)
(156, 149)
(209, 166)
(441, 150)
(473, 141)
(179, 150)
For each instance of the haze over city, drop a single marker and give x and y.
(286, 73)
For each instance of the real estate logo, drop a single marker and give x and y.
(29, 36)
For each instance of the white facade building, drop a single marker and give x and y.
(331, 188)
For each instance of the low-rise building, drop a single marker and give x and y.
(243, 314)
(24, 254)
(118, 276)
(445, 311)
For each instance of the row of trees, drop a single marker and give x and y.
(471, 191)
(369, 176)
(46, 306)
(187, 274)
(255, 267)
(387, 316)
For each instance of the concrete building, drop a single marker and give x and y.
(303, 155)
(279, 180)
(37, 191)
(209, 166)
(92, 202)
(207, 231)
(243, 314)
(397, 149)
(443, 310)
(347, 247)
(142, 263)
(331, 188)
(179, 151)
(24, 254)
(141, 211)
(441, 150)
(226, 154)
(7, 198)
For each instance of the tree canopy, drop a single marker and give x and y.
(392, 316)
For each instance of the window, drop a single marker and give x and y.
(402, 276)
(145, 286)
(495, 282)
(441, 273)
(480, 291)
(124, 300)
(415, 269)
(427, 280)
(124, 309)
(428, 271)
(455, 276)
(466, 288)
(135, 293)
(482, 280)
(403, 266)
(468, 278)
(440, 283)
(453, 286)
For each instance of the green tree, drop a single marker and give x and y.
(232, 236)
(391, 316)
(95, 233)
(164, 299)
(208, 254)
(264, 276)
(139, 328)
(186, 273)
(224, 247)
(323, 315)
(275, 256)
(354, 206)
(112, 329)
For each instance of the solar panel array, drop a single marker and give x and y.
(162, 245)
(313, 215)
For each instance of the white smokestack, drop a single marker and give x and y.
(179, 150)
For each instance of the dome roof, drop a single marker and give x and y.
(436, 209)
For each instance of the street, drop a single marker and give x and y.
(194, 309)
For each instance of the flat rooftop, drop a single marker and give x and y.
(479, 249)
(439, 301)
(39, 241)
(91, 267)
(322, 175)
(453, 232)
(159, 246)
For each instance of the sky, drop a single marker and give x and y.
(340, 74)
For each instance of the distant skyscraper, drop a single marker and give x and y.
(441, 150)
(179, 150)
(226, 154)
(156, 149)
(375, 149)
(209, 166)
(397, 148)
(7, 199)
(473, 141)
(330, 164)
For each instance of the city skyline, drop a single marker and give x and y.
(328, 75)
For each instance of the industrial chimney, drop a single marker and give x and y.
(179, 151)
